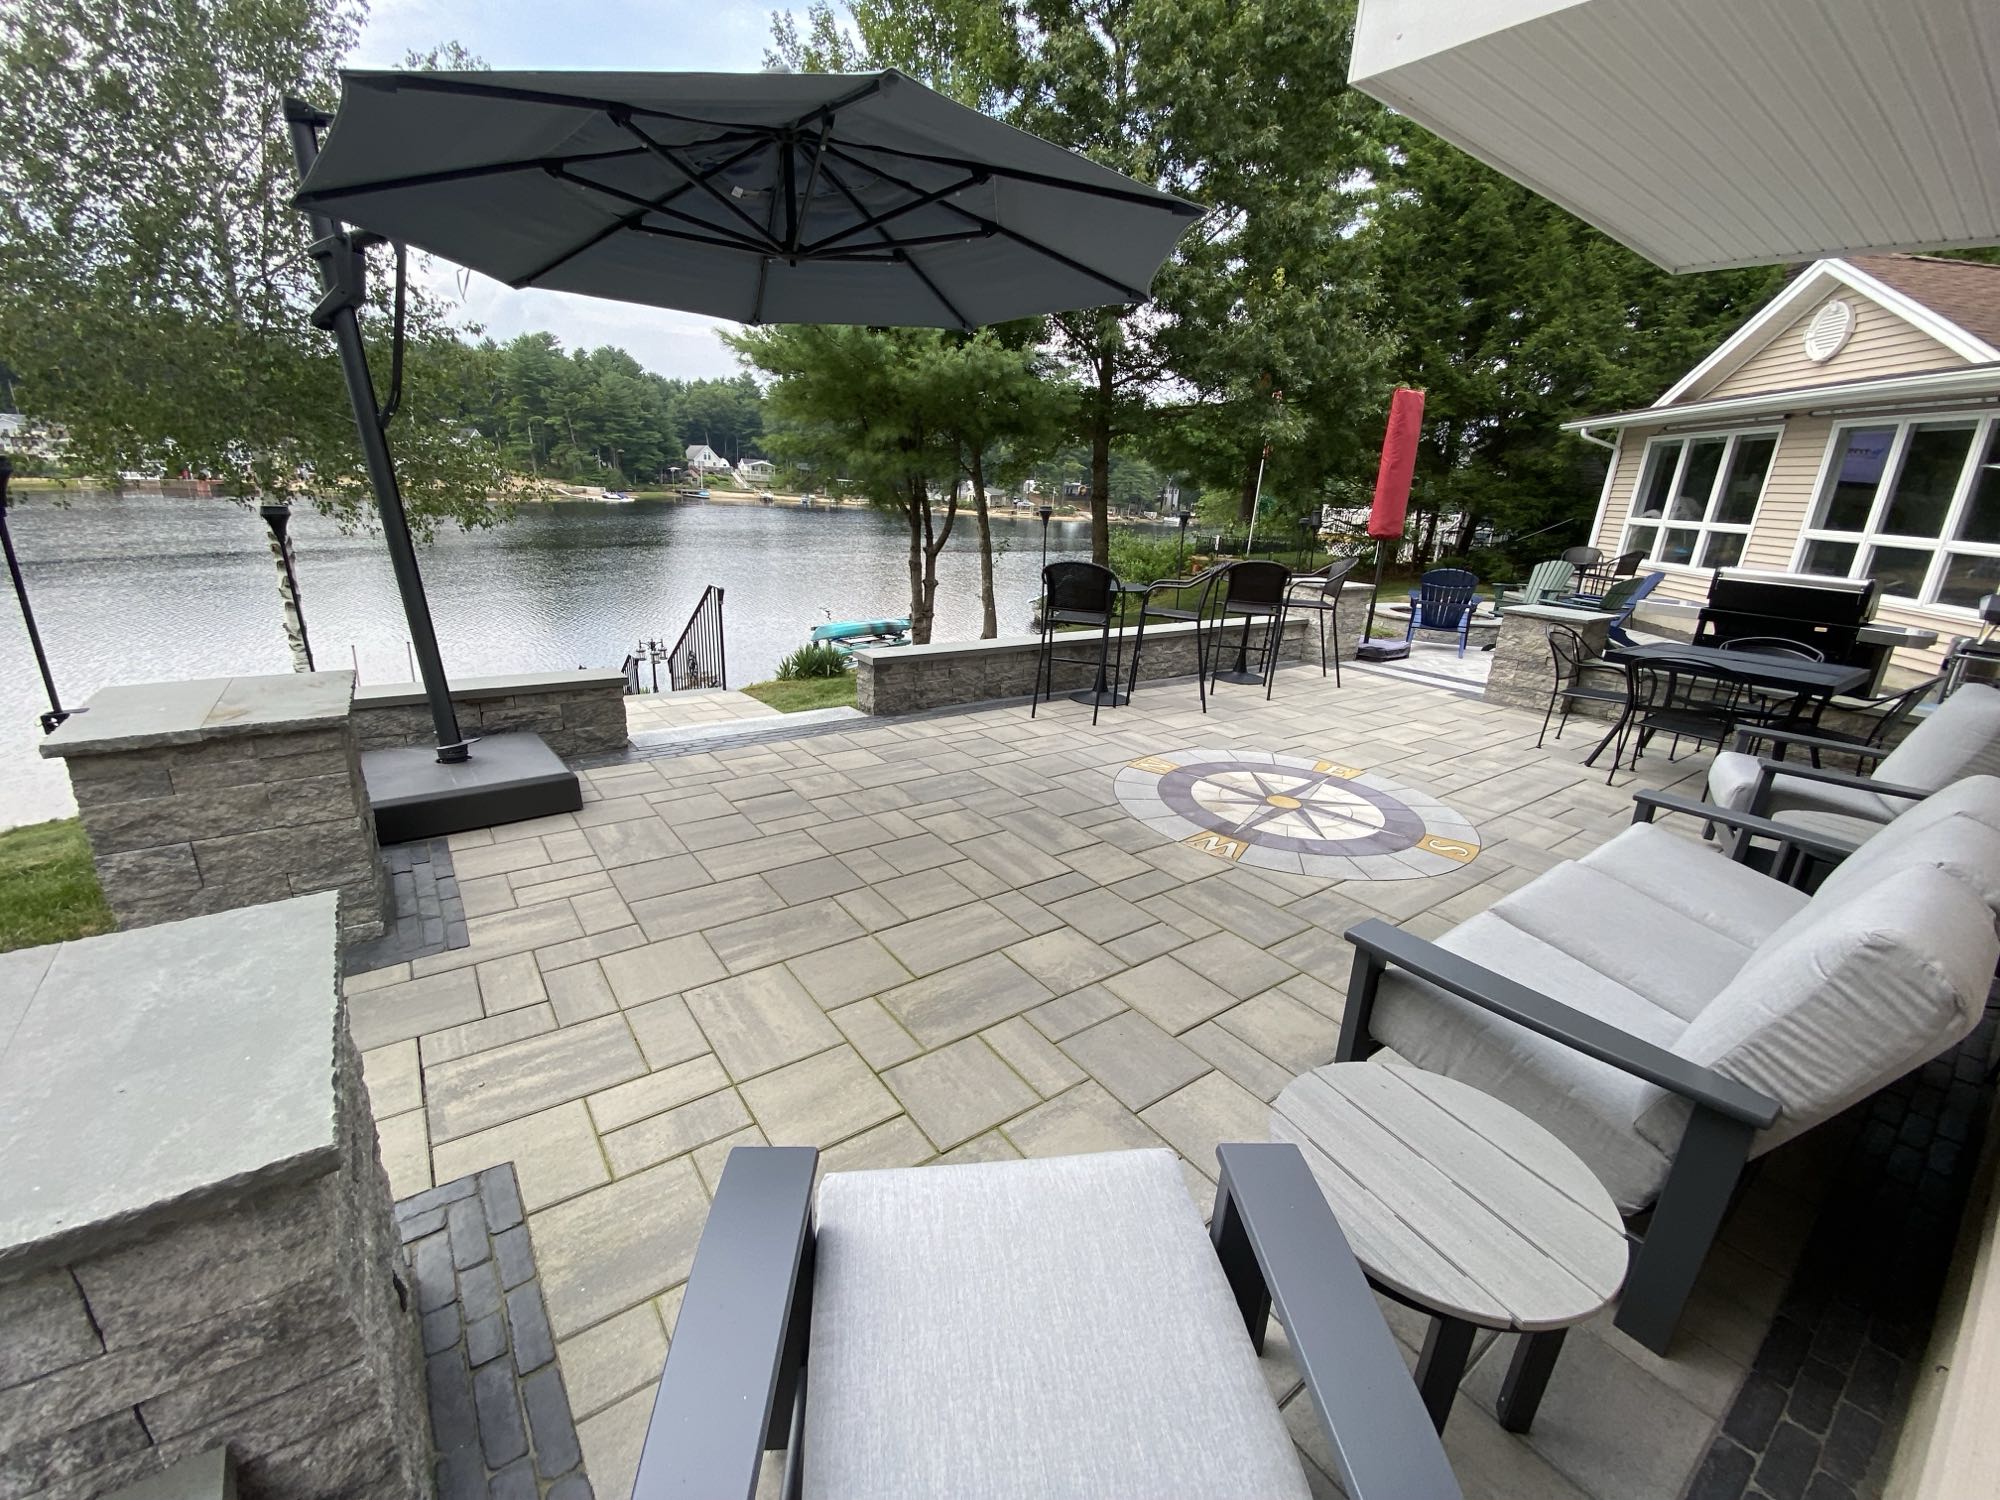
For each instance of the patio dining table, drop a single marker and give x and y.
(1770, 670)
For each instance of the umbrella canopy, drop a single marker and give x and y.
(764, 198)
(1712, 133)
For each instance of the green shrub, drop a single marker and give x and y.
(1138, 558)
(816, 660)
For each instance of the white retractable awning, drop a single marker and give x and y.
(1712, 133)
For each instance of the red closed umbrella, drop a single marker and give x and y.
(1392, 482)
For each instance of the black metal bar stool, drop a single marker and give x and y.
(1320, 593)
(1201, 587)
(1256, 591)
(1079, 593)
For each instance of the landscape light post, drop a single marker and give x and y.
(57, 713)
(277, 516)
(1045, 511)
(1180, 546)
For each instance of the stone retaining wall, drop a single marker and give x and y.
(1524, 672)
(204, 796)
(909, 679)
(242, 1282)
(575, 713)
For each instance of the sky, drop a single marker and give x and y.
(720, 36)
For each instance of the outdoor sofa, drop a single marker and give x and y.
(1027, 1330)
(1960, 737)
(1670, 1013)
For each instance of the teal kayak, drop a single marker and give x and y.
(849, 635)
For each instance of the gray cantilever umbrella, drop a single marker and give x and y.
(766, 198)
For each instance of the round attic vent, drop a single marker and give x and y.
(1829, 332)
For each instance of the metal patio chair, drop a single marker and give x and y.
(1444, 601)
(1574, 666)
(1201, 586)
(1582, 557)
(1663, 697)
(1890, 709)
(1021, 1329)
(1779, 710)
(1258, 592)
(1322, 597)
(1078, 593)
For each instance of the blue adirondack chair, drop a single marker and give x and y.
(1443, 601)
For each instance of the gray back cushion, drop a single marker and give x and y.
(1961, 737)
(1854, 991)
(1956, 830)
(1031, 1330)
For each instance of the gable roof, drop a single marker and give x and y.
(1955, 302)
(1965, 291)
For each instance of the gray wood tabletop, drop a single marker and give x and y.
(1454, 1200)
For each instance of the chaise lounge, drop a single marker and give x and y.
(1670, 1014)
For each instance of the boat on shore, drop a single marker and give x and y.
(849, 636)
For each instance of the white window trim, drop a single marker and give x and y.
(1871, 537)
(1704, 527)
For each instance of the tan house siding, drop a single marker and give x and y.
(1882, 344)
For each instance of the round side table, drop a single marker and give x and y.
(1463, 1208)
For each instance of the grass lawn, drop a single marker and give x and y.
(806, 692)
(48, 890)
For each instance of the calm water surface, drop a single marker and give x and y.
(142, 588)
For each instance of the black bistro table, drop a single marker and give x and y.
(1804, 680)
(1111, 694)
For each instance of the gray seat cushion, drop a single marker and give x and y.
(1027, 1331)
(1693, 879)
(1959, 738)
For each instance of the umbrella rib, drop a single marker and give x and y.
(991, 226)
(658, 205)
(907, 258)
(812, 181)
(628, 221)
(875, 221)
(680, 164)
(456, 174)
(1145, 198)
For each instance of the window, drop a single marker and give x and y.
(1914, 505)
(1698, 495)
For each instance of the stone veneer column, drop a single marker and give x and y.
(1523, 671)
(196, 1236)
(205, 796)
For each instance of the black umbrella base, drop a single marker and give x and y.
(1248, 679)
(510, 778)
(1107, 698)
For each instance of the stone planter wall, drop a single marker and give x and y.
(575, 713)
(205, 796)
(909, 679)
(1523, 671)
(196, 1241)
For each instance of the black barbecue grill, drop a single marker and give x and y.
(1826, 614)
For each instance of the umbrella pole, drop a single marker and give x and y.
(340, 273)
(1367, 630)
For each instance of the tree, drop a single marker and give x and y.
(996, 407)
(860, 402)
(153, 281)
(1515, 316)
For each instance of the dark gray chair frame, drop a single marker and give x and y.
(1324, 600)
(1869, 747)
(734, 1386)
(1202, 585)
(1714, 1148)
(1666, 697)
(1046, 659)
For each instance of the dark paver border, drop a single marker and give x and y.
(500, 1415)
(1819, 1414)
(426, 914)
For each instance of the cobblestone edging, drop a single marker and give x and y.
(1818, 1417)
(575, 713)
(426, 913)
(500, 1415)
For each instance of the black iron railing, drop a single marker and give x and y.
(698, 659)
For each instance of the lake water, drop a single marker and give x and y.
(143, 588)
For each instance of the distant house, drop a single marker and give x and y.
(1848, 429)
(756, 468)
(702, 459)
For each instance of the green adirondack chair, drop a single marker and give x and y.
(1547, 580)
